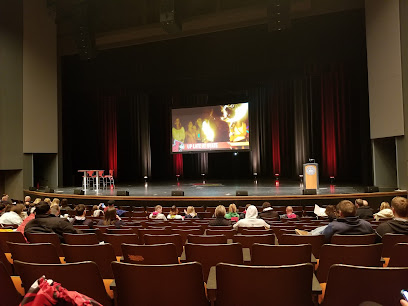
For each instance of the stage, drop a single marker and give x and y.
(215, 192)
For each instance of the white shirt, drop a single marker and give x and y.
(251, 219)
(10, 218)
(158, 217)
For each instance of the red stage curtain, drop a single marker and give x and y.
(178, 164)
(109, 132)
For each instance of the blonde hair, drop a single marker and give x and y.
(54, 209)
(47, 200)
(385, 205)
(232, 208)
(220, 210)
(158, 207)
(55, 201)
(36, 201)
(191, 211)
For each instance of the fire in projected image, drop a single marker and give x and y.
(208, 132)
(237, 128)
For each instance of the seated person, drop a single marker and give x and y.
(157, 214)
(399, 225)
(97, 210)
(14, 216)
(64, 205)
(111, 204)
(44, 223)
(347, 222)
(268, 212)
(331, 213)
(54, 210)
(363, 210)
(289, 214)
(80, 218)
(232, 213)
(242, 215)
(251, 219)
(173, 214)
(111, 218)
(190, 213)
(220, 220)
(385, 212)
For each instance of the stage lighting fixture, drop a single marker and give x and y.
(235, 153)
(277, 176)
(331, 180)
(177, 177)
(255, 178)
(203, 176)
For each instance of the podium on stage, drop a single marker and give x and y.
(310, 178)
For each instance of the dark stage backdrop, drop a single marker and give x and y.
(307, 90)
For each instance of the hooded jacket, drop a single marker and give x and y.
(269, 213)
(396, 226)
(251, 219)
(385, 213)
(348, 226)
(365, 212)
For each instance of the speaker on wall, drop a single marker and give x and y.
(122, 193)
(309, 191)
(49, 190)
(79, 191)
(178, 193)
(371, 189)
(241, 193)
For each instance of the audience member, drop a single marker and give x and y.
(80, 218)
(363, 210)
(173, 214)
(232, 213)
(48, 200)
(347, 222)
(331, 212)
(268, 212)
(242, 215)
(27, 201)
(33, 205)
(65, 206)
(54, 210)
(289, 213)
(111, 204)
(111, 218)
(399, 225)
(190, 213)
(385, 212)
(14, 216)
(44, 223)
(220, 214)
(251, 219)
(158, 213)
(55, 201)
(6, 199)
(97, 211)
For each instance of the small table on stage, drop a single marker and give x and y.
(85, 172)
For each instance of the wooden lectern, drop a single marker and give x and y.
(310, 177)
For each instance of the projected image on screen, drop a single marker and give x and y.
(210, 128)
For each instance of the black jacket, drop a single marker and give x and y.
(392, 227)
(219, 221)
(347, 226)
(365, 212)
(49, 224)
(269, 214)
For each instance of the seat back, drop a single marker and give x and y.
(353, 239)
(210, 255)
(153, 231)
(315, 241)
(81, 239)
(101, 254)
(248, 240)
(12, 237)
(137, 284)
(43, 253)
(120, 231)
(83, 277)
(46, 238)
(185, 232)
(229, 233)
(202, 239)
(389, 240)
(358, 255)
(5, 262)
(155, 254)
(398, 255)
(265, 280)
(360, 284)
(277, 255)
(249, 231)
(117, 240)
(9, 294)
(160, 239)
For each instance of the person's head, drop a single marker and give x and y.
(346, 209)
(5, 198)
(220, 211)
(95, 207)
(81, 210)
(266, 205)
(191, 211)
(42, 208)
(289, 210)
(190, 125)
(158, 209)
(36, 201)
(177, 123)
(55, 201)
(110, 216)
(385, 205)
(251, 212)
(173, 210)
(359, 202)
(199, 122)
(54, 209)
(47, 200)
(27, 199)
(111, 203)
(18, 209)
(64, 203)
(232, 208)
(331, 211)
(399, 206)
(365, 203)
